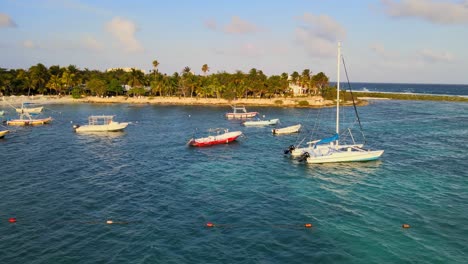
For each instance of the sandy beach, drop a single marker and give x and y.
(313, 101)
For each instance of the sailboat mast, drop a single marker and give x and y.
(338, 92)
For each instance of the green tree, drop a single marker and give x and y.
(97, 86)
(320, 81)
(205, 69)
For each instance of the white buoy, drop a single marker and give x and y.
(109, 222)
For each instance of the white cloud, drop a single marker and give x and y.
(6, 21)
(124, 31)
(91, 43)
(319, 35)
(441, 12)
(29, 44)
(434, 56)
(239, 26)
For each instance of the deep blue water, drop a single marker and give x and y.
(435, 89)
(62, 187)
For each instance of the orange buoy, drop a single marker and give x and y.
(12, 220)
(209, 224)
(308, 225)
(109, 222)
(406, 226)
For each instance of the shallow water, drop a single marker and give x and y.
(62, 187)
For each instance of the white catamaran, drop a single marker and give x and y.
(329, 150)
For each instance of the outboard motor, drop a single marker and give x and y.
(304, 156)
(290, 149)
(76, 126)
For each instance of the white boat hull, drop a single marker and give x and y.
(300, 151)
(286, 130)
(344, 156)
(261, 122)
(33, 110)
(112, 127)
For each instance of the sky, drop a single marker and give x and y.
(396, 41)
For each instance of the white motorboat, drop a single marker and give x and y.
(261, 122)
(102, 123)
(286, 130)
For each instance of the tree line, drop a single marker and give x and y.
(56, 80)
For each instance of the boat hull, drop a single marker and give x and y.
(33, 110)
(286, 130)
(3, 133)
(346, 156)
(300, 151)
(112, 127)
(215, 140)
(29, 122)
(261, 123)
(241, 115)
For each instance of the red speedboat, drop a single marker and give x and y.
(223, 136)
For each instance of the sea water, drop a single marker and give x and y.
(159, 193)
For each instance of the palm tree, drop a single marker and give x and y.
(155, 65)
(205, 69)
(305, 78)
(54, 83)
(294, 77)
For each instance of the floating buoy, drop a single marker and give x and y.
(12, 220)
(109, 222)
(308, 225)
(209, 224)
(406, 226)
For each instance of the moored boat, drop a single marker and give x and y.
(261, 122)
(102, 123)
(286, 130)
(223, 136)
(239, 112)
(27, 120)
(3, 133)
(30, 110)
(329, 150)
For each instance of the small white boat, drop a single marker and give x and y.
(223, 136)
(286, 130)
(3, 133)
(239, 112)
(30, 110)
(101, 123)
(261, 122)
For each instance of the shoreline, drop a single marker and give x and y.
(300, 102)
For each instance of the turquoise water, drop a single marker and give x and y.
(62, 187)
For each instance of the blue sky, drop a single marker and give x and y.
(414, 41)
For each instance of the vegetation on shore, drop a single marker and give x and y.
(56, 80)
(422, 97)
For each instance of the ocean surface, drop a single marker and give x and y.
(410, 88)
(62, 187)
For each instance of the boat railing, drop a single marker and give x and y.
(235, 109)
(100, 120)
